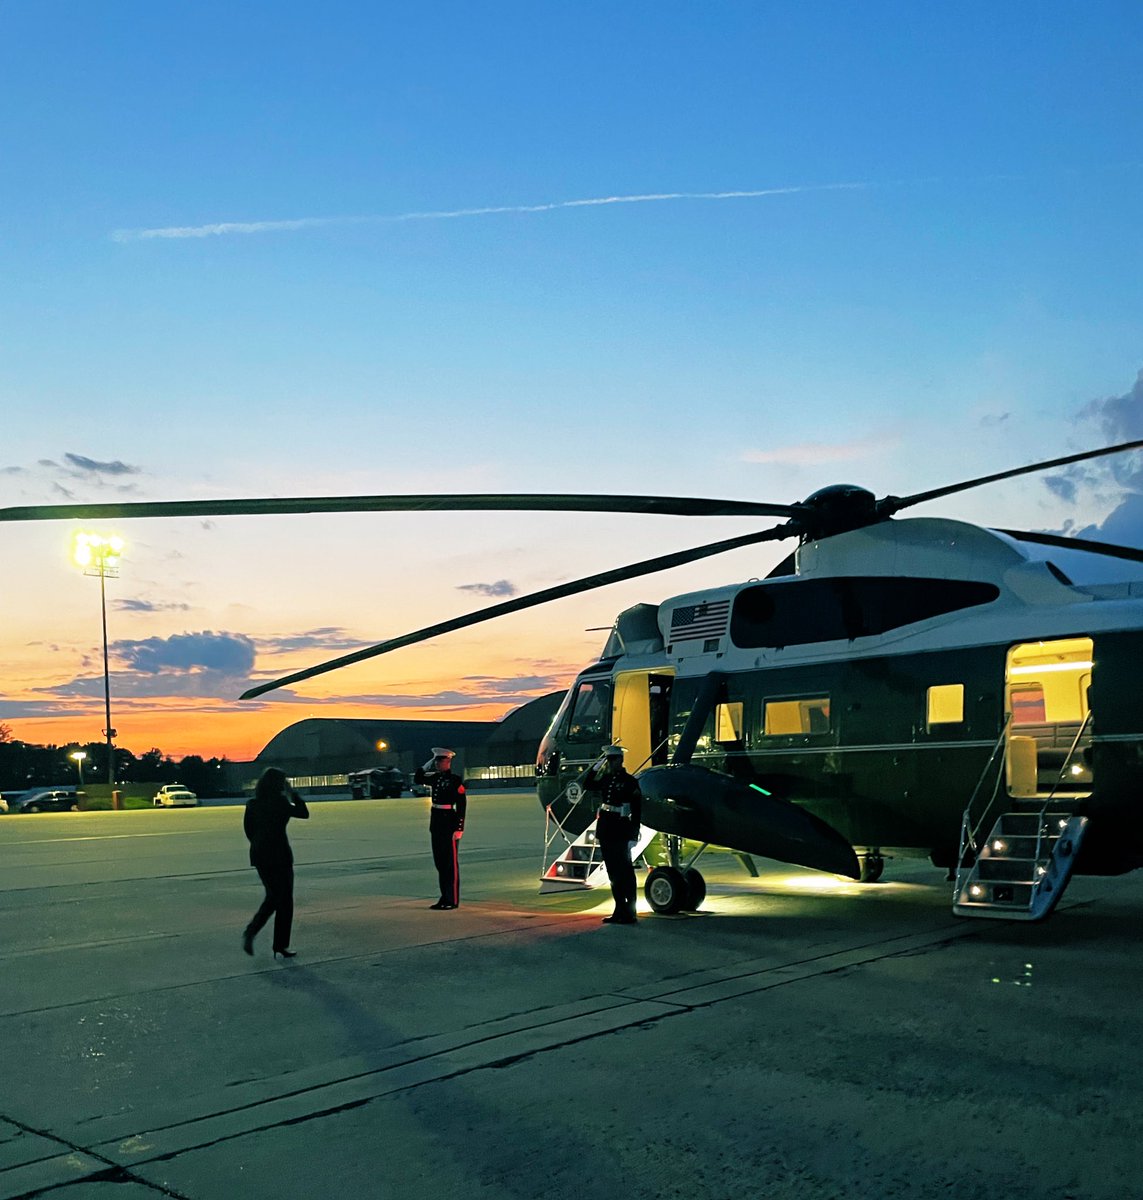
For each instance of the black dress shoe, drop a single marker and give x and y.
(247, 941)
(286, 953)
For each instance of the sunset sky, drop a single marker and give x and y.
(739, 250)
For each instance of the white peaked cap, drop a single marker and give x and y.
(443, 752)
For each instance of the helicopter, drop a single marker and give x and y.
(917, 685)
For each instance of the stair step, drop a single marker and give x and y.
(1019, 846)
(583, 853)
(998, 892)
(1011, 870)
(1018, 824)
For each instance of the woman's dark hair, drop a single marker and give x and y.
(271, 783)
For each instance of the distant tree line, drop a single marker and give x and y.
(24, 765)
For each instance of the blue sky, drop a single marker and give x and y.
(255, 249)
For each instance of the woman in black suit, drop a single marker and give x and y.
(274, 802)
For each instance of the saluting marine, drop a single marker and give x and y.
(446, 821)
(617, 828)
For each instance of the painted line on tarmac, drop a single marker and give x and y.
(113, 837)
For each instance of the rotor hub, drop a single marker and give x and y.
(838, 508)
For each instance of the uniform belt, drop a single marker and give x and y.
(448, 806)
(624, 810)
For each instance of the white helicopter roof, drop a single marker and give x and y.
(937, 548)
(1053, 579)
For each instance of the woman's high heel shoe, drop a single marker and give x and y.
(286, 953)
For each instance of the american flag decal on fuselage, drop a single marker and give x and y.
(705, 620)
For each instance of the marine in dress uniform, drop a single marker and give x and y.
(446, 821)
(616, 827)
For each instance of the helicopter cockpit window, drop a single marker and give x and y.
(945, 704)
(783, 718)
(824, 610)
(590, 711)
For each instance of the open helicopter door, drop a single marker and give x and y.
(1049, 726)
(640, 715)
(1022, 867)
(639, 723)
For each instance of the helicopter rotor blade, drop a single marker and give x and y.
(893, 504)
(647, 567)
(1111, 549)
(679, 506)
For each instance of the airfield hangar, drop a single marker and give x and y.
(319, 752)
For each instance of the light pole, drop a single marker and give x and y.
(79, 756)
(99, 555)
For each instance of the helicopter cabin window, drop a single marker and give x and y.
(728, 722)
(1028, 706)
(784, 718)
(590, 711)
(798, 612)
(946, 704)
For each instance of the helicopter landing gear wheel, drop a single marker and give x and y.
(872, 865)
(666, 890)
(696, 890)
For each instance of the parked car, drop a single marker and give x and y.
(51, 801)
(380, 781)
(174, 795)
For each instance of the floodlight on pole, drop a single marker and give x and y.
(99, 555)
(79, 756)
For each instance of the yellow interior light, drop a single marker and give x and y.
(1045, 668)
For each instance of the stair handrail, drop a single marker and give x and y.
(969, 832)
(1040, 826)
(651, 755)
(1071, 752)
(550, 820)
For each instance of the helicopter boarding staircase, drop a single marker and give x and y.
(579, 865)
(1020, 870)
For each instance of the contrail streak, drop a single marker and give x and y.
(223, 228)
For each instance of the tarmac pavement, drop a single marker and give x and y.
(800, 1037)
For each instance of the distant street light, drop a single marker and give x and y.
(99, 555)
(79, 756)
(382, 745)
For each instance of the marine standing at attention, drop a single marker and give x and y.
(616, 828)
(446, 821)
